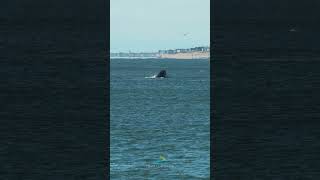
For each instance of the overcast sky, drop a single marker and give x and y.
(150, 25)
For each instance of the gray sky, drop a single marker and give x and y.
(150, 25)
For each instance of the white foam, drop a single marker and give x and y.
(151, 77)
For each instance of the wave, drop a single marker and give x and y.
(151, 77)
(154, 77)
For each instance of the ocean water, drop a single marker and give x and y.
(160, 128)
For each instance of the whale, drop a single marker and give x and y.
(162, 74)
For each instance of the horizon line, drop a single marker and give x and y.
(156, 51)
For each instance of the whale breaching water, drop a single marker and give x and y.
(162, 74)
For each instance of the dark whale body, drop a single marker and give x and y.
(162, 74)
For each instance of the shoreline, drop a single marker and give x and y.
(185, 56)
(157, 58)
(191, 55)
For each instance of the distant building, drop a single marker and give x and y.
(171, 51)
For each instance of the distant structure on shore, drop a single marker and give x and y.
(133, 55)
(191, 53)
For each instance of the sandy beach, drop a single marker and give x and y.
(191, 55)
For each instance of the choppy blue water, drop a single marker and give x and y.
(160, 128)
